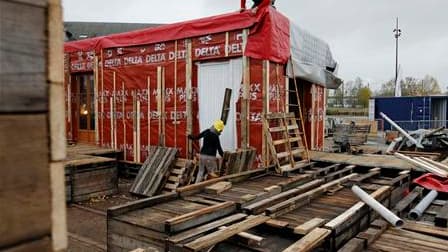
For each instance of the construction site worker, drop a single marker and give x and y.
(256, 4)
(208, 163)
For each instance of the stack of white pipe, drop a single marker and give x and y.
(427, 164)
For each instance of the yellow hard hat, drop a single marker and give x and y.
(218, 125)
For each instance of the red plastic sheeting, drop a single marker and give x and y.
(268, 38)
(433, 182)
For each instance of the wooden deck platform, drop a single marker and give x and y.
(368, 160)
(276, 211)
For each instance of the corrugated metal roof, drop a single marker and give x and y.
(82, 30)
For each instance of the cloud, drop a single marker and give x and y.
(359, 31)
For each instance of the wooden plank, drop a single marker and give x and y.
(261, 205)
(406, 201)
(218, 187)
(198, 217)
(25, 180)
(304, 198)
(41, 245)
(339, 223)
(221, 235)
(153, 171)
(309, 241)
(306, 227)
(139, 204)
(188, 234)
(277, 223)
(23, 65)
(354, 245)
(426, 229)
(441, 219)
(251, 239)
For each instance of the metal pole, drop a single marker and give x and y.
(418, 210)
(402, 131)
(378, 207)
(397, 33)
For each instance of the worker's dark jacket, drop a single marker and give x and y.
(211, 142)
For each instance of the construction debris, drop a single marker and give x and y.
(349, 135)
(417, 211)
(422, 163)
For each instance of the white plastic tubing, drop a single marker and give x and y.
(378, 207)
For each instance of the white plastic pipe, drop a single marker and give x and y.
(402, 131)
(378, 207)
(422, 165)
(420, 208)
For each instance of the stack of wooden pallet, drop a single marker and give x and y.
(237, 161)
(153, 171)
(178, 175)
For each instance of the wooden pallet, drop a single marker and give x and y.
(237, 161)
(153, 171)
(286, 142)
(177, 175)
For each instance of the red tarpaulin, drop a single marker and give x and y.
(432, 182)
(268, 38)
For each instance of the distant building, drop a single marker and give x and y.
(411, 112)
(83, 30)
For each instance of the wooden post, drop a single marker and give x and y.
(111, 122)
(226, 48)
(134, 125)
(265, 149)
(188, 81)
(138, 132)
(102, 100)
(161, 103)
(69, 107)
(114, 106)
(245, 99)
(175, 93)
(124, 121)
(95, 94)
(148, 118)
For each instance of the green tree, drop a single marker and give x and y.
(363, 95)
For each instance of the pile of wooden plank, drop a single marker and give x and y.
(237, 161)
(429, 165)
(153, 171)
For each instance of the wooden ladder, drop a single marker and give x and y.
(286, 135)
(285, 142)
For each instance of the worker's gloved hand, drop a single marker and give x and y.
(190, 136)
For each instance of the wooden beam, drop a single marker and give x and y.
(309, 241)
(265, 93)
(198, 217)
(221, 235)
(426, 229)
(139, 204)
(245, 95)
(306, 227)
(260, 206)
(441, 219)
(304, 198)
(250, 238)
(191, 233)
(218, 187)
(189, 90)
(337, 224)
(406, 201)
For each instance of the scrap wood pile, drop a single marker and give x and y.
(434, 140)
(266, 211)
(427, 164)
